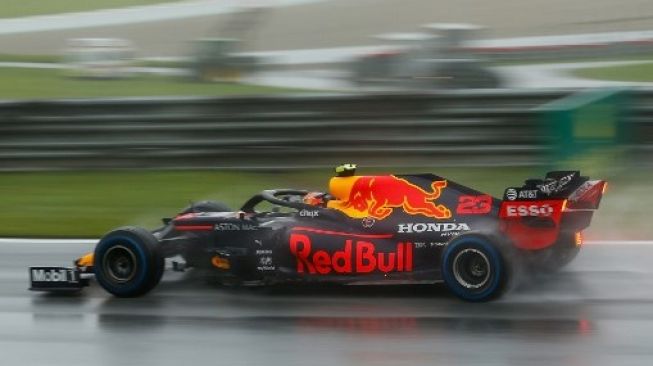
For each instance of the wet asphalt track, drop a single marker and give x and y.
(597, 312)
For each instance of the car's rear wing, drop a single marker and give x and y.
(560, 185)
(535, 214)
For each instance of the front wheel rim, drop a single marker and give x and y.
(120, 264)
(472, 268)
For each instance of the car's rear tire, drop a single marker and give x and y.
(128, 262)
(566, 256)
(206, 206)
(474, 269)
(558, 256)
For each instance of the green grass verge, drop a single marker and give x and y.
(88, 204)
(19, 83)
(638, 73)
(21, 8)
(600, 58)
(180, 64)
(9, 57)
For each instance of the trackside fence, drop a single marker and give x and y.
(497, 127)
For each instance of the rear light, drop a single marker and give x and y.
(578, 238)
(605, 188)
(564, 205)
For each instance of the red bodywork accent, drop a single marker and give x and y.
(340, 233)
(355, 258)
(588, 195)
(535, 225)
(180, 225)
(519, 221)
(193, 227)
(474, 205)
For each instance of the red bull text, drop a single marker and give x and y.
(357, 256)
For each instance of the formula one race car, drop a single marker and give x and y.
(385, 229)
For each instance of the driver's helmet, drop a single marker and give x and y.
(316, 199)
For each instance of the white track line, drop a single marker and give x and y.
(27, 241)
(134, 14)
(46, 241)
(620, 242)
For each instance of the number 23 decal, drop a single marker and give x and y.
(474, 205)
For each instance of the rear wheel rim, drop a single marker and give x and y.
(120, 264)
(471, 268)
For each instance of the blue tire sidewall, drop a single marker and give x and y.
(142, 259)
(496, 263)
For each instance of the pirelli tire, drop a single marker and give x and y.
(206, 206)
(564, 257)
(128, 262)
(557, 257)
(474, 268)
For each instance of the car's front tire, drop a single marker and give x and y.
(128, 262)
(474, 269)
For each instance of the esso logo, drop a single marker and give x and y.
(529, 210)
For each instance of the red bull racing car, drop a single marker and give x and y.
(381, 229)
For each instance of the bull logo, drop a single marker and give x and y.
(378, 196)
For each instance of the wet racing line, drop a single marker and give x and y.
(597, 311)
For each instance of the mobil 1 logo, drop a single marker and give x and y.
(54, 277)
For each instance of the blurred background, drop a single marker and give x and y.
(118, 112)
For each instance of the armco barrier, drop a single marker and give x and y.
(453, 128)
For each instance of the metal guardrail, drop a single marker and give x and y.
(453, 128)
